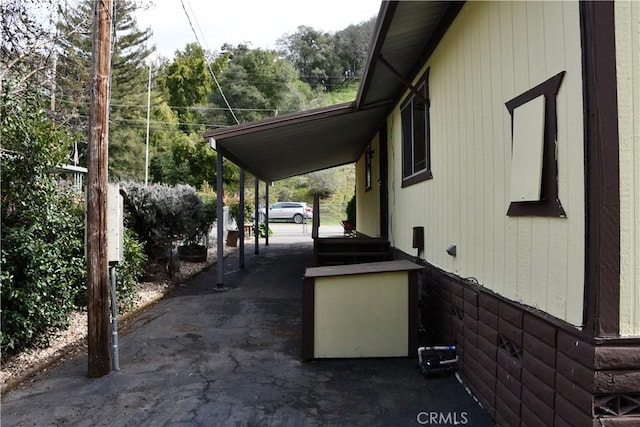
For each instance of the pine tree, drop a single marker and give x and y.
(130, 55)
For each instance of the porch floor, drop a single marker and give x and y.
(202, 357)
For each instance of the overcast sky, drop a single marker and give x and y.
(258, 23)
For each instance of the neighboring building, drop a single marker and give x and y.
(510, 130)
(73, 177)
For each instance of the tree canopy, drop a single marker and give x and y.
(191, 92)
(327, 61)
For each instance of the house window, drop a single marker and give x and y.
(534, 166)
(368, 154)
(416, 135)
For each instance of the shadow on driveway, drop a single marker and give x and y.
(202, 357)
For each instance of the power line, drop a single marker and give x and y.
(157, 122)
(209, 65)
(120, 119)
(66, 101)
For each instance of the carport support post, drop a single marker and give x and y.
(316, 216)
(256, 221)
(220, 225)
(241, 220)
(266, 210)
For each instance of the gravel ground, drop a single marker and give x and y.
(72, 341)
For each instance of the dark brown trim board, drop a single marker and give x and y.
(308, 310)
(384, 185)
(419, 94)
(412, 315)
(602, 275)
(417, 178)
(549, 205)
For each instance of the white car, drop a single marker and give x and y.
(296, 211)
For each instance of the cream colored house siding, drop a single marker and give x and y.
(627, 14)
(368, 202)
(362, 315)
(492, 53)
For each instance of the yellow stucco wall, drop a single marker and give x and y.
(491, 53)
(627, 15)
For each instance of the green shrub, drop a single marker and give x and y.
(160, 215)
(210, 206)
(262, 230)
(129, 272)
(43, 271)
(43, 274)
(42, 237)
(234, 209)
(350, 210)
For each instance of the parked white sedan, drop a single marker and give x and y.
(295, 211)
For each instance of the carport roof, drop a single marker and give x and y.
(406, 33)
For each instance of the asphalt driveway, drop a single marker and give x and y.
(207, 358)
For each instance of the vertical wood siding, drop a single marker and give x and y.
(492, 53)
(368, 202)
(627, 15)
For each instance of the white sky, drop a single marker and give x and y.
(257, 23)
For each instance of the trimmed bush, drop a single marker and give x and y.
(160, 215)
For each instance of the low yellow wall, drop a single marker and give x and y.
(363, 315)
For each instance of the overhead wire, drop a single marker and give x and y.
(215, 79)
(158, 122)
(193, 107)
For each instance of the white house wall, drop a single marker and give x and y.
(627, 16)
(492, 53)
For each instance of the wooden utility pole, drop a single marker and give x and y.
(98, 333)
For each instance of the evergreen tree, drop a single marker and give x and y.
(327, 61)
(310, 51)
(187, 82)
(129, 74)
(352, 47)
(257, 84)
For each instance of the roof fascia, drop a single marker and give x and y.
(387, 14)
(276, 122)
(387, 11)
(443, 26)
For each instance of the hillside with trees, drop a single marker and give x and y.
(305, 72)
